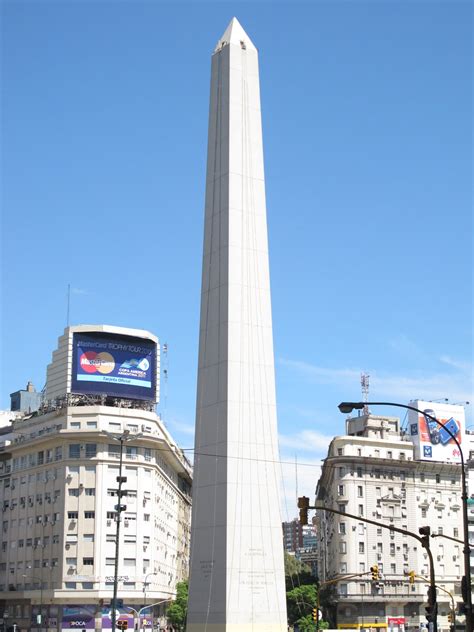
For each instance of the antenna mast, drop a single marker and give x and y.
(364, 384)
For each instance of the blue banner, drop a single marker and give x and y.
(115, 365)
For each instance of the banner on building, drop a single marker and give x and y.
(115, 365)
(434, 441)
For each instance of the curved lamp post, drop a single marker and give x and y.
(348, 407)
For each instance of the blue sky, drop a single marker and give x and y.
(367, 117)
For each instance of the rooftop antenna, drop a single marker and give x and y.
(364, 384)
(68, 303)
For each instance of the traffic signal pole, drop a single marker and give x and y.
(424, 540)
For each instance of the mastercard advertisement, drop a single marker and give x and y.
(119, 366)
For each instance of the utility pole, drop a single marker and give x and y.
(119, 508)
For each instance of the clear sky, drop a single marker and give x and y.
(367, 118)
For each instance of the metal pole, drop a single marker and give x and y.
(117, 538)
(424, 542)
(467, 581)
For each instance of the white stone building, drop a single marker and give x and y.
(371, 472)
(58, 497)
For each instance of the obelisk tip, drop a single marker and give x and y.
(235, 34)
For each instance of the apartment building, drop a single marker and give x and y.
(58, 495)
(372, 472)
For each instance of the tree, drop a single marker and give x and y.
(300, 603)
(177, 611)
(296, 572)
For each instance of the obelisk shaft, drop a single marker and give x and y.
(237, 575)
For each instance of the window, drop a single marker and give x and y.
(360, 491)
(131, 452)
(110, 561)
(378, 492)
(90, 468)
(147, 454)
(389, 454)
(88, 561)
(455, 532)
(392, 548)
(361, 567)
(342, 508)
(359, 452)
(130, 539)
(70, 585)
(73, 491)
(87, 585)
(422, 478)
(440, 530)
(146, 517)
(343, 567)
(110, 537)
(438, 478)
(71, 561)
(340, 490)
(74, 451)
(129, 561)
(88, 537)
(423, 513)
(132, 427)
(361, 528)
(361, 547)
(342, 472)
(393, 569)
(359, 472)
(71, 538)
(89, 515)
(92, 424)
(90, 491)
(91, 450)
(342, 528)
(75, 424)
(361, 510)
(340, 451)
(343, 590)
(342, 547)
(114, 450)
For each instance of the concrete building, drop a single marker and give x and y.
(469, 456)
(292, 536)
(58, 492)
(371, 472)
(26, 400)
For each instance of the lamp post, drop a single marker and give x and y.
(122, 439)
(348, 407)
(41, 596)
(145, 584)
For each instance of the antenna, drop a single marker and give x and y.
(68, 304)
(364, 384)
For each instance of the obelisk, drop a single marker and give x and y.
(237, 574)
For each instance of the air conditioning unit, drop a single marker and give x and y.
(67, 546)
(109, 523)
(71, 568)
(145, 548)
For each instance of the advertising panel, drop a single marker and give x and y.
(78, 618)
(113, 364)
(122, 615)
(432, 441)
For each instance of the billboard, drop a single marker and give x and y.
(114, 364)
(432, 441)
(78, 618)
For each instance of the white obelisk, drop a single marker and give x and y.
(237, 575)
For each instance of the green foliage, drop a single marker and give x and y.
(300, 602)
(296, 572)
(176, 612)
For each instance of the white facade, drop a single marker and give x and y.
(58, 487)
(371, 473)
(237, 575)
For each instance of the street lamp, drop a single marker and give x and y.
(348, 407)
(145, 584)
(41, 596)
(121, 439)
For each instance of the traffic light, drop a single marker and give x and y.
(303, 505)
(122, 624)
(425, 533)
(412, 576)
(315, 614)
(450, 617)
(375, 573)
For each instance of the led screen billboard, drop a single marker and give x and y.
(432, 441)
(114, 364)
